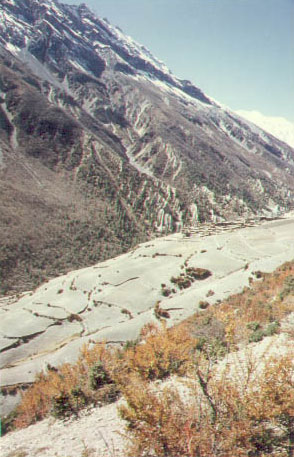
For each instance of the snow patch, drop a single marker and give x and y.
(228, 131)
(129, 152)
(281, 128)
(177, 92)
(11, 48)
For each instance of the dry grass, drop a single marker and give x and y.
(18, 453)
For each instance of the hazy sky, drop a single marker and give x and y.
(240, 52)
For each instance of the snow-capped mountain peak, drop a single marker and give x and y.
(281, 128)
(84, 29)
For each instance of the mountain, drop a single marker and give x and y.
(101, 146)
(281, 128)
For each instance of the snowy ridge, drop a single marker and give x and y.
(136, 49)
(281, 128)
(83, 27)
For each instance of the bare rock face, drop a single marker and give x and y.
(102, 146)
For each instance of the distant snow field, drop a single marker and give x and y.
(281, 128)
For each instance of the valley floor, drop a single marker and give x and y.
(111, 301)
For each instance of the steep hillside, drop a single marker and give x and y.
(101, 146)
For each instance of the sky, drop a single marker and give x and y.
(239, 52)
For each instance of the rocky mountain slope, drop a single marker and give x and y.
(101, 146)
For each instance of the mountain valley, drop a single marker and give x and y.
(146, 252)
(102, 147)
(165, 279)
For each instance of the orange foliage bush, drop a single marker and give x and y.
(164, 352)
(221, 417)
(101, 371)
(64, 390)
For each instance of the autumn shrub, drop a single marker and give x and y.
(155, 422)
(262, 305)
(221, 417)
(64, 390)
(162, 353)
(218, 417)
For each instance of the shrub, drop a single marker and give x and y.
(210, 293)
(164, 352)
(259, 333)
(215, 414)
(61, 405)
(258, 274)
(272, 328)
(198, 273)
(98, 376)
(130, 344)
(156, 422)
(166, 292)
(127, 312)
(256, 336)
(253, 326)
(255, 308)
(159, 312)
(65, 390)
(74, 317)
(288, 287)
(182, 281)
